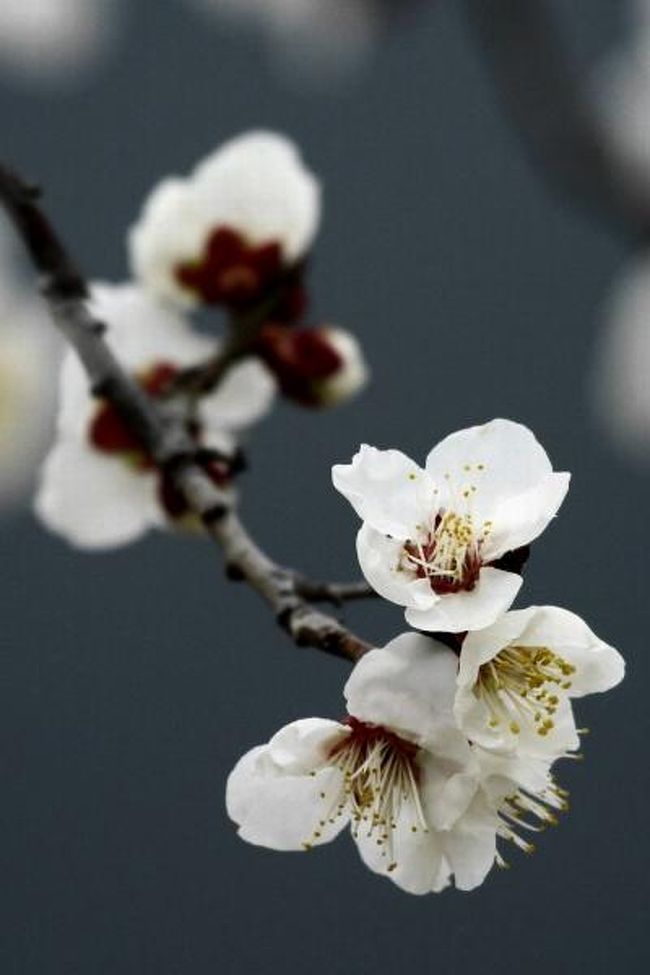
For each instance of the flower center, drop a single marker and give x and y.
(523, 684)
(231, 270)
(448, 555)
(380, 780)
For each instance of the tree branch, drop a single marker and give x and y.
(336, 593)
(161, 430)
(543, 97)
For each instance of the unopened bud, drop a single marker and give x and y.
(314, 366)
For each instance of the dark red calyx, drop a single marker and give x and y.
(231, 271)
(158, 379)
(300, 358)
(110, 434)
(366, 735)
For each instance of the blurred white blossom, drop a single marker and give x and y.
(54, 39)
(620, 389)
(98, 488)
(432, 539)
(224, 234)
(29, 357)
(621, 95)
(320, 39)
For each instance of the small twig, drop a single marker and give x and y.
(161, 430)
(543, 97)
(336, 593)
(244, 333)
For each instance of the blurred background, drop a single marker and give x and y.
(131, 682)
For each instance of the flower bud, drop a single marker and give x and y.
(317, 367)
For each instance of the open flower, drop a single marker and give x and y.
(98, 487)
(517, 677)
(397, 770)
(229, 231)
(438, 540)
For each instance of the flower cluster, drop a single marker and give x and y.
(451, 732)
(452, 729)
(232, 237)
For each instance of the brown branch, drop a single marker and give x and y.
(336, 593)
(161, 430)
(245, 328)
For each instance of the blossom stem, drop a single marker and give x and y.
(244, 333)
(161, 430)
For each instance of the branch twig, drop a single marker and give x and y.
(161, 431)
(336, 593)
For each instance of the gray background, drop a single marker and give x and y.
(131, 682)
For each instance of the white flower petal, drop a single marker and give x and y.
(244, 396)
(470, 848)
(599, 667)
(483, 645)
(278, 810)
(409, 686)
(171, 230)
(380, 560)
(386, 489)
(472, 609)
(258, 184)
(95, 501)
(520, 519)
(415, 857)
(255, 185)
(142, 332)
(446, 796)
(499, 459)
(304, 746)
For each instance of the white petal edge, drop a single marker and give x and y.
(457, 612)
(95, 502)
(386, 489)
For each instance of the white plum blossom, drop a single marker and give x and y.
(54, 40)
(29, 361)
(393, 772)
(224, 234)
(432, 539)
(517, 677)
(98, 488)
(422, 804)
(619, 381)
